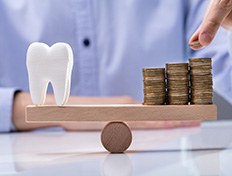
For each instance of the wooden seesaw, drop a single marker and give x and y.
(116, 136)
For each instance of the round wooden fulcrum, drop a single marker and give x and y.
(116, 137)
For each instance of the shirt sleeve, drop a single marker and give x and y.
(6, 106)
(218, 50)
(230, 42)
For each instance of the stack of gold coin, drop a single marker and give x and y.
(201, 80)
(177, 84)
(154, 86)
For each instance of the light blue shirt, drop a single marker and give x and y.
(124, 36)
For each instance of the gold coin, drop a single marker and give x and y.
(177, 66)
(199, 60)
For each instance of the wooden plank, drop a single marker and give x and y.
(125, 112)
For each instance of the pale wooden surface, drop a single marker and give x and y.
(116, 137)
(125, 112)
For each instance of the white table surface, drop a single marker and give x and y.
(205, 150)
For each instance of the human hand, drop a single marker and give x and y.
(94, 126)
(23, 99)
(74, 126)
(219, 13)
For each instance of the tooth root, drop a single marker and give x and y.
(68, 91)
(61, 90)
(38, 86)
(62, 79)
(38, 91)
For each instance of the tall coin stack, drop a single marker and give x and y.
(154, 86)
(201, 80)
(177, 84)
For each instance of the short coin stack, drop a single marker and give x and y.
(154, 86)
(177, 84)
(201, 80)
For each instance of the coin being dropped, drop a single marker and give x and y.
(195, 44)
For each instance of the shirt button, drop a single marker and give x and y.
(86, 42)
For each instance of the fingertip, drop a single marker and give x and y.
(205, 38)
(191, 122)
(195, 45)
(194, 42)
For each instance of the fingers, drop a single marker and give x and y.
(93, 126)
(163, 124)
(227, 22)
(218, 10)
(102, 100)
(194, 41)
(83, 126)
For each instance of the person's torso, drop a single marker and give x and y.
(112, 40)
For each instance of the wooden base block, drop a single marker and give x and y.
(123, 112)
(116, 137)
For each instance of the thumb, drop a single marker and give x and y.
(216, 13)
(218, 10)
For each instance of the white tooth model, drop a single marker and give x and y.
(49, 64)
